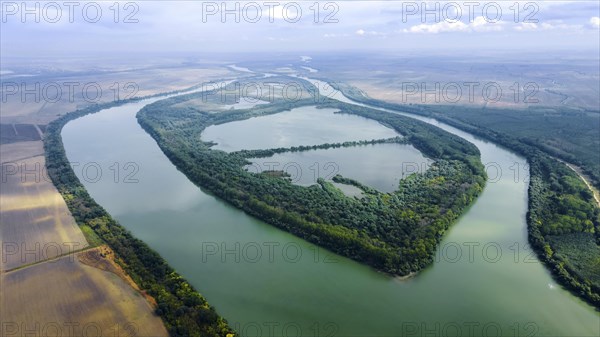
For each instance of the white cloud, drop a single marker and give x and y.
(362, 32)
(479, 24)
(334, 35)
(437, 27)
(373, 24)
(526, 26)
(523, 26)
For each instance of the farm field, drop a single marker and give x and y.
(54, 99)
(36, 226)
(15, 151)
(66, 294)
(38, 292)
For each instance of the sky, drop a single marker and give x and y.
(151, 27)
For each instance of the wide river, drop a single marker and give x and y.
(266, 282)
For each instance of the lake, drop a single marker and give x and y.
(379, 166)
(305, 125)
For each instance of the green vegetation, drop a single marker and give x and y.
(562, 212)
(570, 134)
(578, 254)
(184, 311)
(90, 235)
(394, 232)
(271, 152)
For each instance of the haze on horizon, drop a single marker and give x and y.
(147, 28)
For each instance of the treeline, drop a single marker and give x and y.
(184, 311)
(301, 148)
(347, 181)
(432, 141)
(394, 232)
(560, 208)
(560, 205)
(561, 132)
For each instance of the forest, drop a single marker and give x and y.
(563, 218)
(396, 233)
(561, 132)
(183, 310)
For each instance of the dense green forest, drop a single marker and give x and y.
(563, 218)
(394, 232)
(184, 311)
(270, 152)
(569, 134)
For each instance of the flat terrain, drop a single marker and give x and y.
(41, 108)
(540, 81)
(51, 295)
(36, 225)
(16, 151)
(43, 294)
(11, 133)
(550, 103)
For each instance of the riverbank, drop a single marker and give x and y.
(396, 233)
(148, 270)
(258, 275)
(548, 214)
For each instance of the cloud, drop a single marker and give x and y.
(554, 25)
(362, 32)
(526, 26)
(479, 24)
(186, 27)
(334, 35)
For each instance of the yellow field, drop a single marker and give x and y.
(35, 221)
(68, 296)
(15, 151)
(75, 294)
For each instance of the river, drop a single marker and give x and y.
(266, 282)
